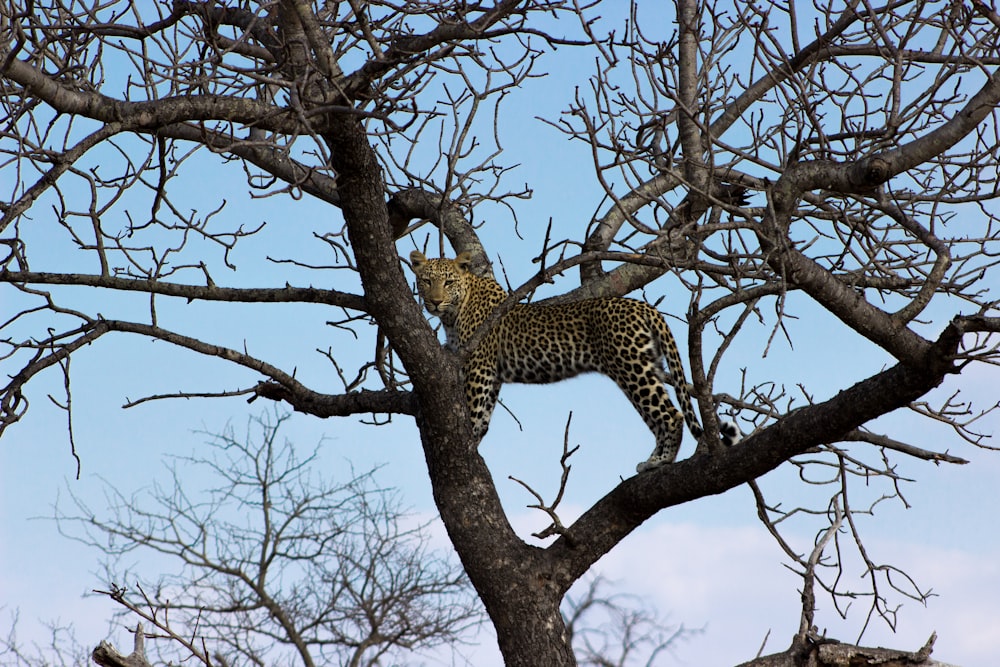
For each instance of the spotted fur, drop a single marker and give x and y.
(625, 339)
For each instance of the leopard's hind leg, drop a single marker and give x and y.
(639, 374)
(669, 433)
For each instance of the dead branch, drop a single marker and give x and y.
(556, 527)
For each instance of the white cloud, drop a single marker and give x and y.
(727, 580)
(730, 579)
(965, 611)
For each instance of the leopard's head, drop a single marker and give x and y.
(442, 283)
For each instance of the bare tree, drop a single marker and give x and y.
(761, 159)
(275, 562)
(62, 649)
(617, 630)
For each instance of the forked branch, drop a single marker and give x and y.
(556, 527)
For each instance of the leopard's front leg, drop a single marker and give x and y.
(482, 388)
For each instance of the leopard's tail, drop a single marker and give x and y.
(674, 372)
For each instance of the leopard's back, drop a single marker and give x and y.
(625, 339)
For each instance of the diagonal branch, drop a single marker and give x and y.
(887, 330)
(636, 499)
(265, 155)
(284, 386)
(280, 386)
(61, 164)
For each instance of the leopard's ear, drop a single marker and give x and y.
(464, 260)
(417, 259)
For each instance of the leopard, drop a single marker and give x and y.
(624, 339)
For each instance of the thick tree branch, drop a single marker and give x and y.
(412, 203)
(851, 307)
(265, 155)
(338, 405)
(638, 498)
(281, 387)
(822, 652)
(147, 115)
(491, 552)
(213, 292)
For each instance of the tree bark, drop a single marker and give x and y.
(514, 580)
(821, 652)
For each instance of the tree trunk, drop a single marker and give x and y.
(514, 580)
(545, 643)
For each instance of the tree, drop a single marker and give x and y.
(627, 628)
(275, 562)
(759, 160)
(63, 648)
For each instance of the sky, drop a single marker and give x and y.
(709, 565)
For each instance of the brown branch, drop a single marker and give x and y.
(774, 78)
(338, 405)
(831, 653)
(556, 527)
(212, 292)
(606, 524)
(902, 447)
(263, 154)
(280, 387)
(887, 330)
(404, 48)
(809, 576)
(151, 114)
(284, 386)
(13, 404)
(106, 655)
(62, 163)
(412, 203)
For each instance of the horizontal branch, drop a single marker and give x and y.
(902, 447)
(824, 652)
(338, 405)
(285, 294)
(280, 386)
(874, 170)
(152, 113)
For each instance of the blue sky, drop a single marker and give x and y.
(707, 564)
